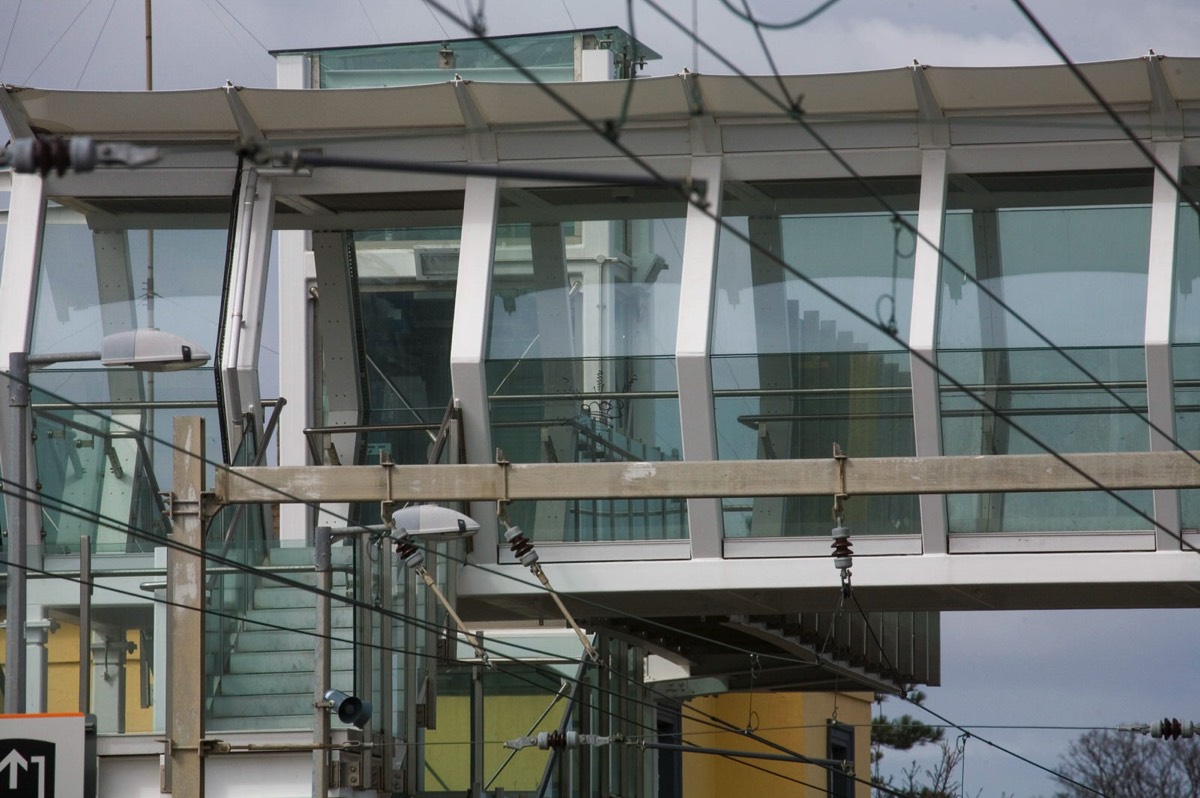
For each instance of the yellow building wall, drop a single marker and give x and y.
(505, 717)
(796, 721)
(62, 676)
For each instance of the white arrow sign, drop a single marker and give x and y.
(12, 762)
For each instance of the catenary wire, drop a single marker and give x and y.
(696, 715)
(796, 115)
(1117, 119)
(61, 36)
(748, 16)
(96, 43)
(926, 360)
(907, 697)
(542, 669)
(8, 39)
(91, 516)
(448, 555)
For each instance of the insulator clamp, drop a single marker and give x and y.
(522, 547)
(843, 554)
(409, 553)
(1172, 729)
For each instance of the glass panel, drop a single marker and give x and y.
(795, 372)
(1186, 350)
(406, 283)
(106, 447)
(580, 363)
(1068, 252)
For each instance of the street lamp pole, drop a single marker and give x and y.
(144, 350)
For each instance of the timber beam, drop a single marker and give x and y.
(710, 479)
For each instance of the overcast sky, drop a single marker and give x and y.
(1065, 669)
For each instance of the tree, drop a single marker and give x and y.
(1125, 765)
(903, 734)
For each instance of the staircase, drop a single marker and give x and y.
(267, 682)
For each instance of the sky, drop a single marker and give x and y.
(1004, 674)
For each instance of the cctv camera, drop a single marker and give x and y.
(349, 709)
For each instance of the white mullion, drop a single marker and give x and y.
(1160, 290)
(697, 417)
(926, 401)
(468, 343)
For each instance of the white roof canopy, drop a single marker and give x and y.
(283, 114)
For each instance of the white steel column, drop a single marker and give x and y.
(693, 348)
(22, 253)
(295, 371)
(295, 336)
(927, 420)
(1160, 294)
(468, 343)
(247, 298)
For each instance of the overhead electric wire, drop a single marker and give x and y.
(1117, 119)
(906, 697)
(61, 36)
(8, 39)
(926, 360)
(170, 445)
(704, 718)
(241, 25)
(796, 115)
(748, 16)
(1000, 415)
(96, 43)
(696, 716)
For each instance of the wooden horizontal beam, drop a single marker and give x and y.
(709, 479)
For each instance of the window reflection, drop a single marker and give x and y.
(794, 371)
(580, 363)
(1069, 253)
(1186, 336)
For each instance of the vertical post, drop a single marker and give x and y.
(477, 727)
(413, 753)
(386, 667)
(85, 623)
(18, 561)
(364, 656)
(185, 614)
(322, 564)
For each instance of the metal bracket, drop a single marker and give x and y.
(164, 767)
(209, 746)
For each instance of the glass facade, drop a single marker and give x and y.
(550, 58)
(808, 285)
(1068, 253)
(581, 348)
